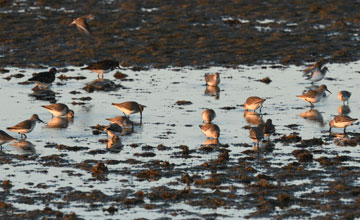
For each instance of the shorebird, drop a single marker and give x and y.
(253, 103)
(25, 126)
(59, 110)
(102, 67)
(123, 121)
(314, 96)
(269, 128)
(113, 130)
(257, 134)
(210, 130)
(315, 67)
(344, 96)
(5, 137)
(208, 115)
(317, 74)
(81, 23)
(44, 79)
(129, 108)
(341, 121)
(212, 79)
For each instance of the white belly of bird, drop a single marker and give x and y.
(342, 124)
(317, 76)
(126, 111)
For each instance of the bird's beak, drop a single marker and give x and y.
(39, 120)
(328, 91)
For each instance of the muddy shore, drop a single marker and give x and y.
(159, 34)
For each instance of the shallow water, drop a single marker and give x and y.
(167, 123)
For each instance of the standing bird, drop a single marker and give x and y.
(102, 67)
(344, 96)
(113, 130)
(59, 110)
(341, 121)
(210, 130)
(317, 74)
(257, 134)
(25, 126)
(44, 79)
(82, 23)
(314, 96)
(315, 67)
(253, 103)
(269, 128)
(208, 115)
(5, 137)
(212, 79)
(129, 108)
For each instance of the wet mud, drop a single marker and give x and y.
(160, 34)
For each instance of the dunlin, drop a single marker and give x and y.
(82, 23)
(257, 134)
(315, 67)
(212, 79)
(5, 137)
(208, 115)
(344, 96)
(210, 130)
(253, 103)
(129, 108)
(314, 96)
(59, 110)
(26, 126)
(113, 130)
(123, 121)
(44, 79)
(317, 75)
(269, 128)
(102, 67)
(341, 121)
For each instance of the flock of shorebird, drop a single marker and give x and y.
(43, 80)
(313, 73)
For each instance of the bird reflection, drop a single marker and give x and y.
(43, 94)
(313, 115)
(343, 110)
(114, 144)
(257, 134)
(253, 118)
(213, 91)
(58, 122)
(5, 138)
(211, 141)
(24, 146)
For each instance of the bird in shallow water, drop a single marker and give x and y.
(130, 107)
(210, 130)
(59, 110)
(317, 75)
(341, 121)
(212, 79)
(208, 115)
(253, 103)
(102, 67)
(44, 79)
(26, 126)
(269, 128)
(314, 96)
(315, 67)
(82, 23)
(344, 96)
(257, 133)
